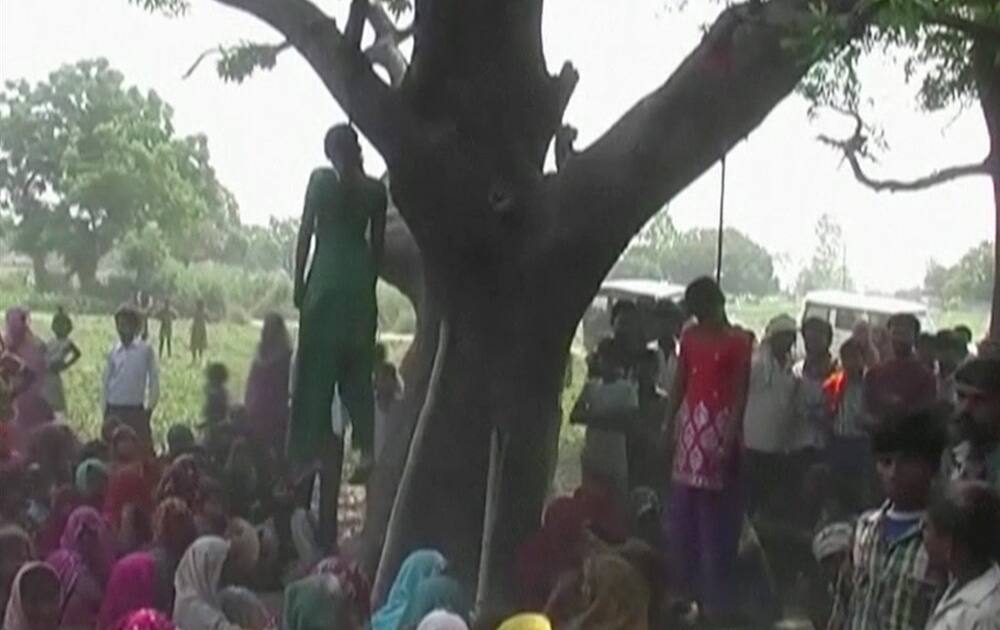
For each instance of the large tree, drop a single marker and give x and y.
(827, 269)
(506, 256)
(84, 159)
(951, 49)
(970, 280)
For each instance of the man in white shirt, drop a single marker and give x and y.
(768, 418)
(962, 537)
(131, 377)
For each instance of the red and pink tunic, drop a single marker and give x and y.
(708, 431)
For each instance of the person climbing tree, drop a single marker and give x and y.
(336, 301)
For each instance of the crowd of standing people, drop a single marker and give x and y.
(857, 485)
(725, 480)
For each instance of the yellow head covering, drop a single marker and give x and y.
(526, 621)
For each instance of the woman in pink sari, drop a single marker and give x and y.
(146, 619)
(266, 398)
(132, 587)
(30, 408)
(83, 562)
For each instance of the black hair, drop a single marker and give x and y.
(336, 137)
(908, 319)
(622, 307)
(969, 512)
(920, 434)
(40, 581)
(948, 340)
(820, 323)
(95, 449)
(982, 374)
(667, 309)
(180, 435)
(128, 312)
(216, 373)
(927, 339)
(852, 345)
(964, 333)
(704, 298)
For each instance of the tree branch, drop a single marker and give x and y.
(969, 27)
(344, 70)
(722, 91)
(272, 50)
(854, 150)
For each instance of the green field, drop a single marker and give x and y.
(181, 381)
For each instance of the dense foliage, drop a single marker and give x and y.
(84, 159)
(661, 251)
(968, 280)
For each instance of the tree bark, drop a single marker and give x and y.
(987, 75)
(40, 272)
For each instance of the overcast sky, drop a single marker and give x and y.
(265, 135)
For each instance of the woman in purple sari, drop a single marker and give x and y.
(266, 399)
(30, 408)
(83, 562)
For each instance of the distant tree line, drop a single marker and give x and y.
(968, 280)
(92, 170)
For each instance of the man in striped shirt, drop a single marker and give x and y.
(892, 586)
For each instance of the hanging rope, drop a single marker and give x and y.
(722, 213)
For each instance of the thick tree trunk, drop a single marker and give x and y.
(499, 367)
(987, 74)
(40, 272)
(86, 273)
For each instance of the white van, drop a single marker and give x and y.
(645, 293)
(843, 310)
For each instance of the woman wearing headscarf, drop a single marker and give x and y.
(15, 378)
(30, 408)
(615, 596)
(419, 566)
(91, 482)
(133, 479)
(207, 566)
(526, 621)
(242, 607)
(146, 619)
(559, 546)
(319, 602)
(145, 579)
(182, 479)
(15, 552)
(54, 447)
(131, 587)
(173, 532)
(64, 501)
(353, 584)
(290, 533)
(443, 620)
(266, 398)
(34, 602)
(83, 563)
(435, 593)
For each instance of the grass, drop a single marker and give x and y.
(181, 381)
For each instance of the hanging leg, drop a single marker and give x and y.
(357, 393)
